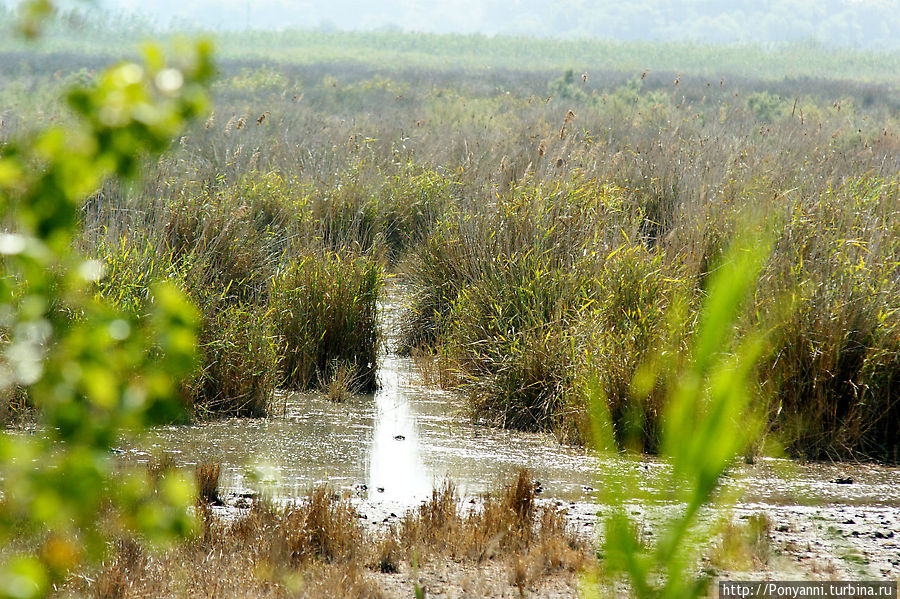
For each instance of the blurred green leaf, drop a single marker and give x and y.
(708, 422)
(92, 372)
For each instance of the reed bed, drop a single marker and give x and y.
(552, 228)
(276, 308)
(530, 302)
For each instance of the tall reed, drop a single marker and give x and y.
(324, 306)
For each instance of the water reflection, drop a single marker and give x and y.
(396, 470)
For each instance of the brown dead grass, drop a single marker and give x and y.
(744, 545)
(322, 528)
(509, 525)
(318, 547)
(207, 476)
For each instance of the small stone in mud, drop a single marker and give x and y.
(399, 438)
(843, 481)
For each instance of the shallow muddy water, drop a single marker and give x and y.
(393, 446)
(396, 445)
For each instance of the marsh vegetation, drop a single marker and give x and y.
(605, 244)
(544, 224)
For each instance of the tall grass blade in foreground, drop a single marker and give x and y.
(708, 422)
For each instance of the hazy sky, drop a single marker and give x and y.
(842, 22)
(419, 15)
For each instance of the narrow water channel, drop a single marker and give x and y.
(394, 446)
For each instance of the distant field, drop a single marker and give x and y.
(393, 50)
(396, 50)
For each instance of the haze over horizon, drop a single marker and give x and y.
(862, 23)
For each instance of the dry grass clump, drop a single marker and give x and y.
(319, 547)
(314, 548)
(320, 527)
(744, 545)
(432, 365)
(207, 475)
(508, 525)
(225, 572)
(343, 580)
(388, 554)
(117, 579)
(436, 524)
(513, 524)
(343, 383)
